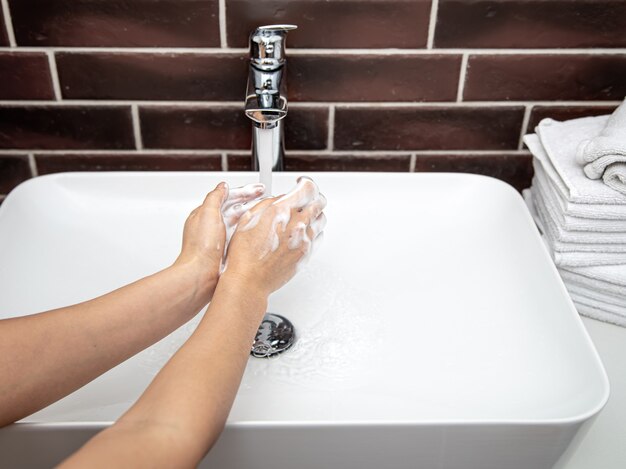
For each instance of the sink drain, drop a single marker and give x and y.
(276, 334)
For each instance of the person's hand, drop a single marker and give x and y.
(274, 236)
(205, 232)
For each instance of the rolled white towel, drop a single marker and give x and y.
(580, 196)
(604, 156)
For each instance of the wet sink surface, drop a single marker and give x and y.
(431, 323)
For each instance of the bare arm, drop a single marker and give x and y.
(44, 357)
(48, 355)
(181, 414)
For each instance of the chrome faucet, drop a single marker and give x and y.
(266, 95)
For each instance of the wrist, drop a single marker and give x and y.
(201, 283)
(238, 286)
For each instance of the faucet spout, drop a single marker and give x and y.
(266, 94)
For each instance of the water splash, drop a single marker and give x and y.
(336, 343)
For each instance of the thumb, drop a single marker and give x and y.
(217, 196)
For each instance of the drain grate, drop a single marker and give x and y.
(275, 335)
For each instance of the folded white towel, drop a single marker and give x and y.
(560, 141)
(602, 202)
(600, 305)
(576, 243)
(583, 237)
(586, 259)
(582, 290)
(570, 259)
(604, 156)
(596, 312)
(556, 207)
(610, 279)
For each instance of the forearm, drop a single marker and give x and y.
(56, 352)
(181, 414)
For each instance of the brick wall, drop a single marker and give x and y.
(374, 85)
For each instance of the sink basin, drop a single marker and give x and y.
(433, 329)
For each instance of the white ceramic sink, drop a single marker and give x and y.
(434, 331)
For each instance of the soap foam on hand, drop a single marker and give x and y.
(239, 201)
(304, 194)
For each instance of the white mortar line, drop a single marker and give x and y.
(296, 51)
(470, 104)
(470, 152)
(137, 50)
(6, 12)
(54, 76)
(462, 75)
(553, 51)
(434, 8)
(330, 143)
(134, 111)
(223, 151)
(340, 104)
(224, 162)
(412, 163)
(33, 165)
(527, 111)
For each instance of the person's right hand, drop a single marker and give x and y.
(277, 234)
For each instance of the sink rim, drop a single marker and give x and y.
(581, 416)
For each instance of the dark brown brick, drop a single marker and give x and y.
(167, 23)
(25, 75)
(354, 162)
(334, 23)
(4, 38)
(47, 164)
(215, 77)
(306, 128)
(514, 169)
(13, 170)
(428, 128)
(66, 127)
(546, 77)
(240, 162)
(531, 23)
(195, 128)
(563, 113)
(226, 128)
(373, 78)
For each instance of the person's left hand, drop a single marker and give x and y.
(206, 228)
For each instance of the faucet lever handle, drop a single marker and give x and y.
(267, 45)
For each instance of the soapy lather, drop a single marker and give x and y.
(304, 196)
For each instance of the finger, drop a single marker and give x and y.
(247, 193)
(314, 209)
(317, 226)
(233, 214)
(217, 196)
(301, 195)
(299, 237)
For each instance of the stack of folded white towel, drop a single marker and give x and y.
(578, 199)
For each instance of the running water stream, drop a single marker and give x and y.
(267, 149)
